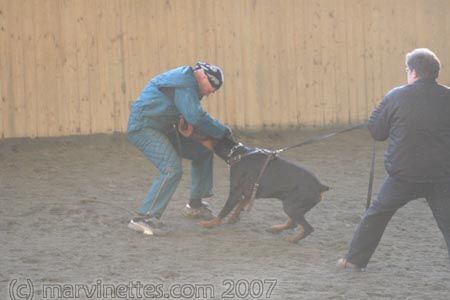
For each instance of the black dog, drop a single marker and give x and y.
(297, 188)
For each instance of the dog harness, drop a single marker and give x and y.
(237, 158)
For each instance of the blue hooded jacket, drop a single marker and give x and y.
(168, 95)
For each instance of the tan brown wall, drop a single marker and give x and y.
(74, 66)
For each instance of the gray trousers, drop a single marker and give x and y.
(394, 194)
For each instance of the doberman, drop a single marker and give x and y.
(296, 187)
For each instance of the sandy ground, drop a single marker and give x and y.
(65, 204)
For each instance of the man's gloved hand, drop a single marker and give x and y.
(228, 133)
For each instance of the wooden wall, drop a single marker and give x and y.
(71, 67)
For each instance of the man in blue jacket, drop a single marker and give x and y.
(152, 129)
(415, 119)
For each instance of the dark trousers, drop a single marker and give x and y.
(394, 194)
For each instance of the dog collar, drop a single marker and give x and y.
(237, 158)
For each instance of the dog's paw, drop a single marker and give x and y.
(276, 228)
(211, 223)
(233, 219)
(293, 239)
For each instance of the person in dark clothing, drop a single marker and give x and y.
(415, 119)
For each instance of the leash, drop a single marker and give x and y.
(322, 137)
(272, 154)
(371, 176)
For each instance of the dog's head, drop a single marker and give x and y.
(228, 146)
(225, 147)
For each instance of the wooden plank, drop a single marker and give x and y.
(56, 112)
(114, 59)
(135, 52)
(20, 70)
(441, 52)
(209, 30)
(261, 83)
(375, 63)
(340, 66)
(283, 49)
(100, 112)
(238, 43)
(4, 66)
(162, 22)
(29, 59)
(271, 33)
(169, 35)
(103, 65)
(437, 25)
(223, 98)
(17, 116)
(288, 81)
(313, 67)
(249, 49)
(84, 41)
(356, 60)
(127, 68)
(68, 94)
(300, 61)
(327, 108)
(227, 55)
(266, 72)
(6, 82)
(120, 82)
(369, 35)
(45, 78)
(216, 101)
(146, 44)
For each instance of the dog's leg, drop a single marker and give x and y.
(234, 216)
(232, 201)
(304, 230)
(211, 223)
(280, 227)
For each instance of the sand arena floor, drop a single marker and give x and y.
(65, 204)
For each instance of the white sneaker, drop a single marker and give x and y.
(146, 225)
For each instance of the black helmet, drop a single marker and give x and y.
(214, 73)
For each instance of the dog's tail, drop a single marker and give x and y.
(323, 189)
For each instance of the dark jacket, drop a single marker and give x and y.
(416, 120)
